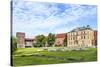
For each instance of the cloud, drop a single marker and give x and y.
(41, 18)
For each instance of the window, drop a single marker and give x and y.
(81, 37)
(70, 38)
(84, 32)
(84, 37)
(88, 36)
(73, 38)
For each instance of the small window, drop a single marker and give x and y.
(84, 37)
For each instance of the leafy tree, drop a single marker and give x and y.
(13, 44)
(65, 40)
(40, 41)
(50, 39)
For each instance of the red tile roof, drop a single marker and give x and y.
(62, 35)
(20, 33)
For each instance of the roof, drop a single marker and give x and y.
(20, 33)
(81, 28)
(62, 35)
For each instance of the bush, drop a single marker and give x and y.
(13, 44)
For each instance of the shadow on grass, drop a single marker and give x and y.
(70, 59)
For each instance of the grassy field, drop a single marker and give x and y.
(32, 56)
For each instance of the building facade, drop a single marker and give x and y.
(80, 37)
(20, 39)
(59, 39)
(95, 38)
(23, 42)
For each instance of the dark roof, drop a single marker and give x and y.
(81, 28)
(20, 33)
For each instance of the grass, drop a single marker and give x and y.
(30, 56)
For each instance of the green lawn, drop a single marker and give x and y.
(31, 56)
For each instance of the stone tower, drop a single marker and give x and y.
(20, 39)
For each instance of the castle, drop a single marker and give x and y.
(78, 37)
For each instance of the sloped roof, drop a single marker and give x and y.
(81, 28)
(62, 35)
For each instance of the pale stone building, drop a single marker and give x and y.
(80, 37)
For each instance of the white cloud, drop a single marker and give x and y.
(42, 18)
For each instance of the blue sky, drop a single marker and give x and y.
(35, 18)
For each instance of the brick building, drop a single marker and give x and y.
(79, 37)
(23, 42)
(59, 39)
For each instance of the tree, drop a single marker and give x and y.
(65, 40)
(13, 44)
(40, 41)
(50, 39)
